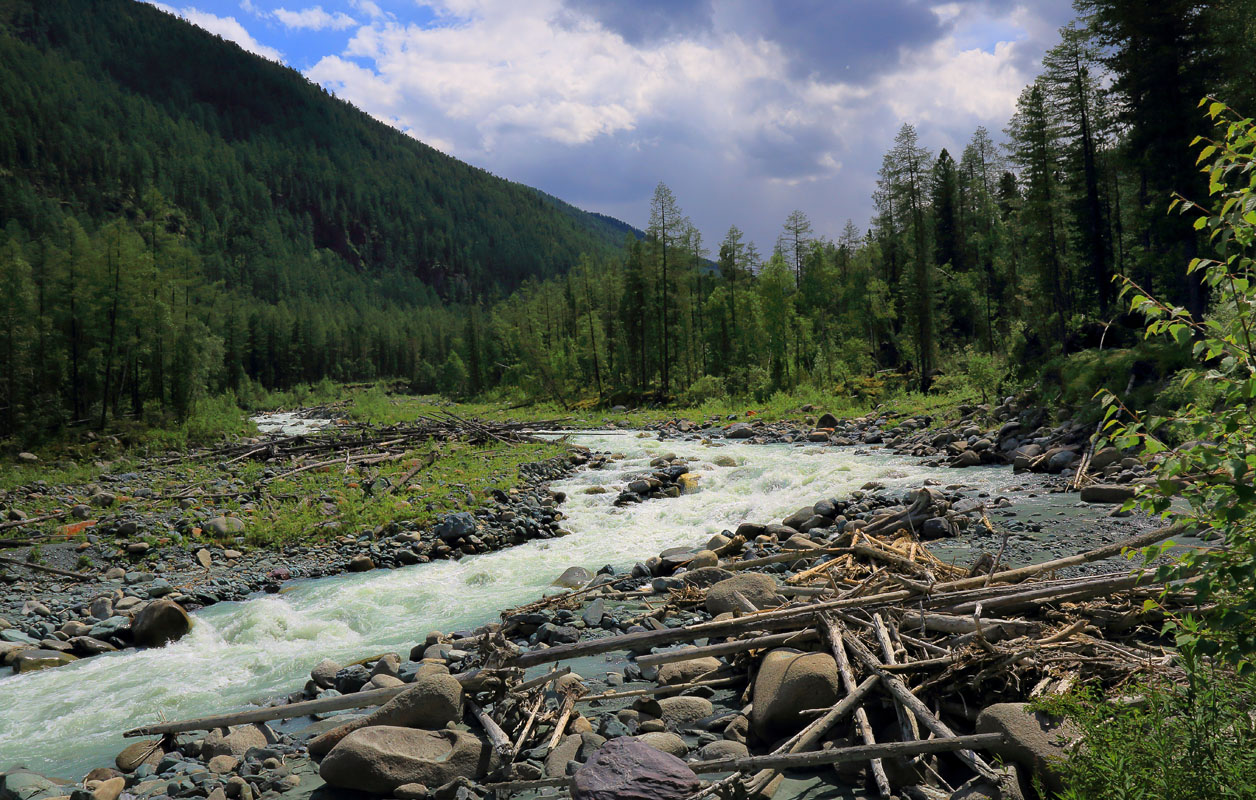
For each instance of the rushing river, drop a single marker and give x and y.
(65, 721)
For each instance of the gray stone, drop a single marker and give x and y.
(665, 742)
(759, 589)
(1035, 740)
(324, 673)
(681, 712)
(434, 700)
(236, 741)
(224, 526)
(573, 578)
(679, 672)
(22, 784)
(381, 758)
(456, 526)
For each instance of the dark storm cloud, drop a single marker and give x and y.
(643, 21)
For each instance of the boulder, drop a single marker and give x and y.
(679, 713)
(665, 742)
(704, 559)
(757, 588)
(381, 758)
(361, 563)
(788, 683)
(324, 673)
(1105, 457)
(455, 526)
(627, 769)
(1033, 740)
(702, 577)
(573, 578)
(159, 623)
(236, 741)
(35, 660)
(134, 755)
(434, 700)
(565, 751)
(22, 784)
(1059, 459)
(679, 672)
(1107, 493)
(723, 748)
(224, 526)
(110, 789)
(827, 420)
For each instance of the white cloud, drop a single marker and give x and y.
(226, 27)
(369, 8)
(315, 19)
(538, 93)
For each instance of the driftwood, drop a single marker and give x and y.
(78, 576)
(797, 617)
(18, 523)
(371, 697)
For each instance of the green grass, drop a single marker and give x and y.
(377, 406)
(299, 508)
(296, 508)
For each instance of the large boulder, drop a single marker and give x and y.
(22, 784)
(159, 623)
(456, 526)
(380, 758)
(433, 701)
(34, 660)
(1033, 740)
(759, 589)
(627, 769)
(236, 741)
(790, 682)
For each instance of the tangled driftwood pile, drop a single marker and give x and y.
(871, 657)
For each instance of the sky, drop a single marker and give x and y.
(746, 109)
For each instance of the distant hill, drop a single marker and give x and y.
(180, 217)
(101, 100)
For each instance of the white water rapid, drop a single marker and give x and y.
(67, 720)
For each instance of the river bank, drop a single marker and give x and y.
(500, 576)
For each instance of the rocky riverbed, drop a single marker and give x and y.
(857, 499)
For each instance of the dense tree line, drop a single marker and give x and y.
(181, 216)
(1002, 253)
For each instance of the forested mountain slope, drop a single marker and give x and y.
(282, 226)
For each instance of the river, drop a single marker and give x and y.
(65, 721)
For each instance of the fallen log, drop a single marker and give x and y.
(738, 646)
(783, 761)
(500, 741)
(798, 616)
(680, 687)
(862, 725)
(372, 697)
(904, 696)
(18, 523)
(845, 755)
(41, 568)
